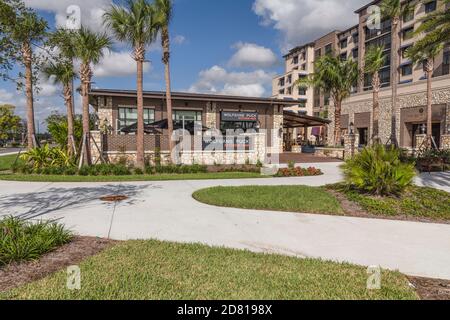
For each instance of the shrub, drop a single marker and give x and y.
(378, 170)
(23, 240)
(84, 171)
(120, 170)
(70, 171)
(45, 157)
(291, 164)
(138, 171)
(299, 172)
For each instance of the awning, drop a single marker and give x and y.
(295, 120)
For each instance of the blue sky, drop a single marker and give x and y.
(230, 47)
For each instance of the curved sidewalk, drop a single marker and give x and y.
(166, 211)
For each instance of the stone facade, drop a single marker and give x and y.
(211, 115)
(445, 141)
(105, 111)
(414, 97)
(336, 153)
(278, 125)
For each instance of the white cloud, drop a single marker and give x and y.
(179, 39)
(5, 96)
(116, 64)
(220, 81)
(301, 21)
(91, 10)
(253, 56)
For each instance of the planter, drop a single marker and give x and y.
(308, 149)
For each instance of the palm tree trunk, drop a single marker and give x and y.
(139, 57)
(68, 93)
(394, 77)
(166, 60)
(28, 58)
(376, 107)
(429, 69)
(337, 122)
(85, 76)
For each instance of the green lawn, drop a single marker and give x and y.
(161, 270)
(416, 202)
(156, 177)
(7, 161)
(280, 198)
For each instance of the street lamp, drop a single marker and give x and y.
(352, 128)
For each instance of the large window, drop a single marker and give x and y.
(408, 33)
(446, 63)
(329, 49)
(187, 119)
(128, 116)
(430, 6)
(407, 70)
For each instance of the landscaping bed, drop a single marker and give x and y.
(162, 270)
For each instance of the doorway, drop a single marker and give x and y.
(436, 131)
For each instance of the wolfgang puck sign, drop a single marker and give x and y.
(230, 116)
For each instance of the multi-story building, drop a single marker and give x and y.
(410, 115)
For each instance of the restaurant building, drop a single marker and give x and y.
(258, 125)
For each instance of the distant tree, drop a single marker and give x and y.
(336, 76)
(374, 61)
(10, 123)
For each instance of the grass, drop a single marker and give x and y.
(279, 198)
(22, 241)
(139, 270)
(7, 161)
(156, 177)
(415, 202)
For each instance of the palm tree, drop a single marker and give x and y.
(394, 10)
(63, 40)
(89, 49)
(163, 18)
(331, 74)
(24, 29)
(436, 25)
(135, 24)
(424, 51)
(374, 60)
(63, 73)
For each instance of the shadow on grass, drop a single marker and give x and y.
(36, 204)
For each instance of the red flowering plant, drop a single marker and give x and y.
(299, 172)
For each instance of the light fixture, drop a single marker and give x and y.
(448, 128)
(352, 128)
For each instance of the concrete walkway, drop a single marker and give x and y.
(167, 211)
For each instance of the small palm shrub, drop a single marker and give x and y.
(23, 240)
(378, 170)
(45, 157)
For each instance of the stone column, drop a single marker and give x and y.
(211, 115)
(351, 142)
(96, 144)
(420, 139)
(445, 142)
(105, 111)
(277, 134)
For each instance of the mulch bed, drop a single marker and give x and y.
(353, 209)
(17, 274)
(431, 289)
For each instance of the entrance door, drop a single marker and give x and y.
(436, 131)
(363, 136)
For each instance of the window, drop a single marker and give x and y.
(281, 82)
(408, 15)
(344, 43)
(128, 116)
(343, 56)
(408, 33)
(355, 53)
(328, 49)
(187, 119)
(304, 67)
(446, 63)
(295, 60)
(355, 37)
(404, 51)
(303, 55)
(326, 99)
(281, 91)
(318, 53)
(407, 70)
(289, 91)
(430, 6)
(289, 79)
(302, 91)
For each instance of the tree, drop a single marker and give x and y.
(63, 73)
(394, 10)
(57, 126)
(331, 74)
(374, 61)
(9, 122)
(24, 27)
(135, 24)
(424, 51)
(89, 49)
(163, 17)
(436, 25)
